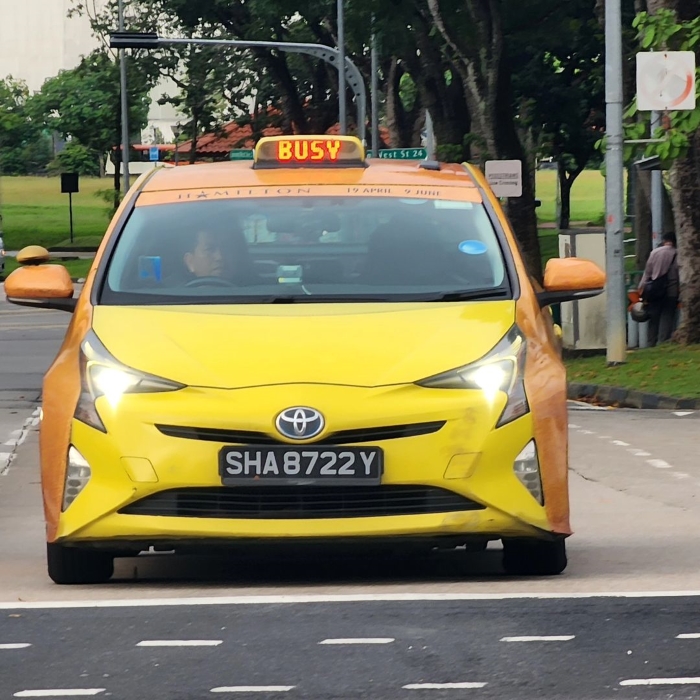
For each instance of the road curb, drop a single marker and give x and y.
(629, 398)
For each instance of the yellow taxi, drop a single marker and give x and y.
(311, 346)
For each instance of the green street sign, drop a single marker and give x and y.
(404, 153)
(241, 154)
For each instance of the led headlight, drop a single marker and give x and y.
(103, 375)
(501, 370)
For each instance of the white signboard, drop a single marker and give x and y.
(505, 177)
(665, 81)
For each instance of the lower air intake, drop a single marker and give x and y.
(297, 503)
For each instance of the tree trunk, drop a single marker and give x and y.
(195, 134)
(685, 190)
(642, 217)
(565, 193)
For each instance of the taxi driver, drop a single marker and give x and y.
(205, 258)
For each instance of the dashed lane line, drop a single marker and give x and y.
(180, 643)
(550, 638)
(20, 645)
(661, 681)
(253, 689)
(59, 693)
(444, 686)
(689, 635)
(369, 640)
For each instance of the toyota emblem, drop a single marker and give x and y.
(300, 423)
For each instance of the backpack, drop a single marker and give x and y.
(655, 290)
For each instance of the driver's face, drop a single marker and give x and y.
(206, 260)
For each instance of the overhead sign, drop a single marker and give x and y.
(404, 153)
(505, 177)
(241, 154)
(154, 153)
(665, 81)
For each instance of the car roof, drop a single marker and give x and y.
(242, 174)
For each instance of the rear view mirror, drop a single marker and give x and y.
(569, 279)
(38, 283)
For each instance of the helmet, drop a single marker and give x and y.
(639, 312)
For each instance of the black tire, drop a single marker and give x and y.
(71, 565)
(531, 557)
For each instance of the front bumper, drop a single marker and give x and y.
(467, 456)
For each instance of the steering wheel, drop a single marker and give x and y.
(209, 282)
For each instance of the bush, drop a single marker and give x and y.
(28, 158)
(76, 158)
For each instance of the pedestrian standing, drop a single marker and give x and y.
(660, 289)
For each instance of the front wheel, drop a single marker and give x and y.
(531, 557)
(71, 565)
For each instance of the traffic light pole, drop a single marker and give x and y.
(124, 107)
(353, 77)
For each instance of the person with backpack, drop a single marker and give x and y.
(659, 289)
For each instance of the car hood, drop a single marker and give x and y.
(349, 344)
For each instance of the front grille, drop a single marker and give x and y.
(303, 502)
(249, 437)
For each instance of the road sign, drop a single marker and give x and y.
(505, 177)
(665, 81)
(241, 154)
(154, 153)
(404, 153)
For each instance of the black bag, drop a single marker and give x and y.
(655, 290)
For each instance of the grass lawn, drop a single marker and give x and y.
(587, 196)
(35, 211)
(670, 370)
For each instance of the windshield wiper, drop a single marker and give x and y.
(469, 295)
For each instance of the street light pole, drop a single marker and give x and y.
(124, 105)
(375, 94)
(614, 187)
(342, 106)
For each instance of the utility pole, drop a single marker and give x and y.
(124, 105)
(614, 187)
(375, 94)
(657, 200)
(342, 106)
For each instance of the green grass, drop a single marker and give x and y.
(587, 196)
(35, 211)
(670, 370)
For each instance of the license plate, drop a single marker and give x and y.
(326, 465)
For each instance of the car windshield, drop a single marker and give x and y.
(305, 250)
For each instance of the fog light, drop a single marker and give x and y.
(527, 469)
(77, 476)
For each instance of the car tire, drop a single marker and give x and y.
(71, 565)
(531, 557)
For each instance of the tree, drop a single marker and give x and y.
(24, 149)
(676, 26)
(83, 105)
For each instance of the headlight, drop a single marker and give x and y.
(501, 370)
(103, 375)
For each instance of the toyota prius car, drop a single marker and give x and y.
(310, 346)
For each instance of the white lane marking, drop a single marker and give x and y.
(620, 443)
(337, 598)
(573, 425)
(19, 436)
(253, 689)
(680, 475)
(14, 646)
(368, 640)
(638, 453)
(659, 463)
(442, 686)
(683, 413)
(59, 693)
(180, 643)
(604, 437)
(586, 432)
(661, 681)
(689, 635)
(551, 638)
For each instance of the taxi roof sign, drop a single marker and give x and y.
(310, 151)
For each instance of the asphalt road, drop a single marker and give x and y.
(635, 483)
(525, 649)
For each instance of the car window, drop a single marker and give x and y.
(308, 249)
